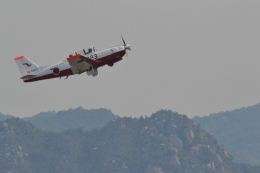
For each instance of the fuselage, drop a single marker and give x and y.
(100, 57)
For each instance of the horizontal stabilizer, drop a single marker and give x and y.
(28, 77)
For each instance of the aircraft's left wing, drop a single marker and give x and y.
(80, 63)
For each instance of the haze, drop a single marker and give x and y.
(193, 57)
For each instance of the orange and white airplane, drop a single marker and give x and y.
(82, 61)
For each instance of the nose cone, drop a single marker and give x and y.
(128, 47)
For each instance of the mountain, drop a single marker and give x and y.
(238, 131)
(165, 142)
(4, 117)
(71, 119)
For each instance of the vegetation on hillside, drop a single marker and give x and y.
(72, 119)
(165, 142)
(4, 117)
(238, 131)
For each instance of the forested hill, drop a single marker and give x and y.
(72, 119)
(238, 131)
(4, 117)
(69, 119)
(165, 142)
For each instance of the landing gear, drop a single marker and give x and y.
(95, 72)
(92, 71)
(110, 65)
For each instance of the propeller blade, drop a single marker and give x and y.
(123, 40)
(127, 47)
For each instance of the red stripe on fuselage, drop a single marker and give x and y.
(66, 72)
(113, 58)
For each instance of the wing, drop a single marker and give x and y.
(81, 63)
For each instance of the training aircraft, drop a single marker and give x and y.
(81, 61)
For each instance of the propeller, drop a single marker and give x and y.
(127, 47)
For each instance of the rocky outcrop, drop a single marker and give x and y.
(211, 165)
(195, 149)
(189, 134)
(175, 141)
(175, 161)
(124, 168)
(153, 169)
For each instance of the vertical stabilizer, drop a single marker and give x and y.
(26, 66)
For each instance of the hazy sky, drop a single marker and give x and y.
(193, 57)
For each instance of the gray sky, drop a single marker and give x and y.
(193, 57)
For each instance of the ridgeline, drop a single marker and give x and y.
(165, 142)
(238, 131)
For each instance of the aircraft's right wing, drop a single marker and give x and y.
(80, 63)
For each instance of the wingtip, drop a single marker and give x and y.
(73, 57)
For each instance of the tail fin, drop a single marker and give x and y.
(26, 66)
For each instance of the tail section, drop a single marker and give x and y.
(26, 66)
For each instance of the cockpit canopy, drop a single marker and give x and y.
(84, 51)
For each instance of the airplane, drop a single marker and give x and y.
(81, 61)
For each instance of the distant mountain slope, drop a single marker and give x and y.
(4, 117)
(165, 142)
(238, 131)
(72, 119)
